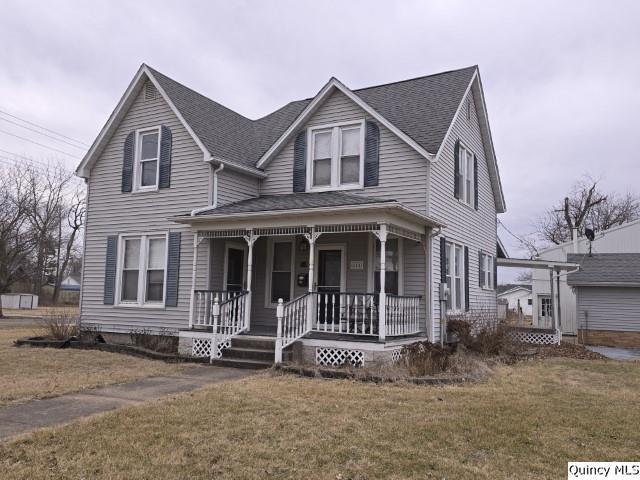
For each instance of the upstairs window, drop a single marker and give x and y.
(336, 157)
(466, 178)
(147, 156)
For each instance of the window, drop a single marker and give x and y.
(529, 301)
(392, 267)
(455, 276)
(545, 307)
(281, 264)
(142, 273)
(487, 270)
(147, 159)
(336, 157)
(466, 178)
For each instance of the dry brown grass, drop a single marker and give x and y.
(27, 373)
(39, 312)
(527, 421)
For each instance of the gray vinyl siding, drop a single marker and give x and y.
(403, 172)
(608, 308)
(235, 186)
(111, 212)
(464, 225)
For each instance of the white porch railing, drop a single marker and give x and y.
(203, 305)
(229, 320)
(294, 321)
(403, 315)
(348, 313)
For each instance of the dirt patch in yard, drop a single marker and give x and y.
(564, 350)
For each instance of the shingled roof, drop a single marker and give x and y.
(601, 269)
(422, 108)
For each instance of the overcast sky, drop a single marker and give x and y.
(560, 78)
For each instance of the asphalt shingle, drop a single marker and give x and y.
(605, 268)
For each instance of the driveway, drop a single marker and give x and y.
(615, 353)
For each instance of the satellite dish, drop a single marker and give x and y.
(590, 234)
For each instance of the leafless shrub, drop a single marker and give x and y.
(424, 358)
(91, 333)
(165, 341)
(480, 331)
(61, 325)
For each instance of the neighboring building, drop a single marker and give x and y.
(518, 296)
(620, 239)
(607, 290)
(319, 203)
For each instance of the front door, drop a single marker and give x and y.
(235, 269)
(330, 280)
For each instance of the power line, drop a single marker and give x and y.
(41, 167)
(44, 134)
(44, 128)
(31, 160)
(39, 144)
(520, 239)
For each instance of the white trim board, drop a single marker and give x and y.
(332, 85)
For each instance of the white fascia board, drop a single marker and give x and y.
(83, 169)
(330, 86)
(494, 172)
(542, 264)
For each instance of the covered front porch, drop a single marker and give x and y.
(357, 276)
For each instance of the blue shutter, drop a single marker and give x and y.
(165, 157)
(371, 154)
(456, 170)
(111, 261)
(173, 269)
(443, 260)
(475, 182)
(480, 269)
(466, 278)
(495, 272)
(300, 162)
(127, 162)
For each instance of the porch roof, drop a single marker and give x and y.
(308, 210)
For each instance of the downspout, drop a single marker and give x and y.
(214, 199)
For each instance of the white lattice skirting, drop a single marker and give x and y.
(536, 338)
(395, 355)
(336, 357)
(201, 347)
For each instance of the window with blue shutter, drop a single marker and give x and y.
(300, 162)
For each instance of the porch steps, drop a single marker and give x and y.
(248, 352)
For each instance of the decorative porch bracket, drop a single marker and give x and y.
(311, 237)
(250, 239)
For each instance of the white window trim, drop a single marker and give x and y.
(137, 165)
(372, 263)
(235, 246)
(336, 140)
(488, 271)
(142, 270)
(463, 149)
(343, 262)
(269, 270)
(452, 269)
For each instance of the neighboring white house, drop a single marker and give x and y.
(621, 239)
(519, 296)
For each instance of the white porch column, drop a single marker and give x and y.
(382, 306)
(193, 279)
(250, 239)
(311, 238)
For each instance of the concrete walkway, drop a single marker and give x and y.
(35, 414)
(628, 354)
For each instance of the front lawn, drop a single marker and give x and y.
(27, 373)
(527, 421)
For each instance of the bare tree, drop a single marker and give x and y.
(75, 213)
(526, 276)
(587, 206)
(16, 241)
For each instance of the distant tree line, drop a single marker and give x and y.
(42, 212)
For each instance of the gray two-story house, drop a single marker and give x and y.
(325, 228)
